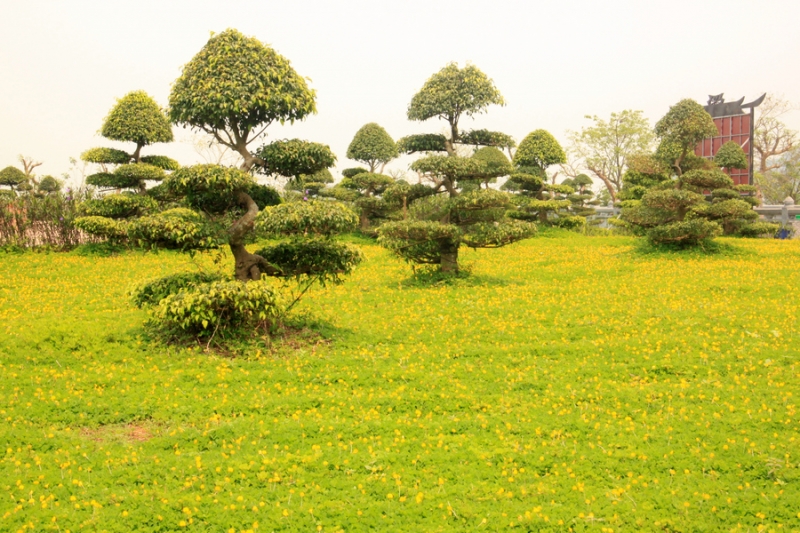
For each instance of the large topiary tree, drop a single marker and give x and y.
(465, 214)
(675, 210)
(372, 146)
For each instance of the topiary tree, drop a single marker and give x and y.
(372, 146)
(675, 210)
(438, 225)
(234, 88)
(582, 199)
(12, 177)
(538, 151)
(135, 118)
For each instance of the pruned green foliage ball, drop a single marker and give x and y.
(706, 179)
(350, 172)
(485, 205)
(102, 227)
(419, 241)
(314, 217)
(202, 308)
(688, 232)
(539, 149)
(161, 161)
(106, 156)
(238, 79)
(294, 157)
(494, 234)
(209, 188)
(485, 137)
(172, 231)
(731, 155)
(324, 259)
(264, 195)
(139, 172)
(12, 177)
(118, 206)
(153, 291)
(108, 180)
(137, 118)
(372, 145)
(423, 142)
(466, 89)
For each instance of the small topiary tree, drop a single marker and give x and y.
(13, 178)
(536, 200)
(437, 226)
(582, 199)
(372, 146)
(135, 118)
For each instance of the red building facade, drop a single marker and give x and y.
(735, 122)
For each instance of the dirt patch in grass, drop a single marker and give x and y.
(141, 431)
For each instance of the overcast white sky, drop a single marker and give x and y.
(63, 64)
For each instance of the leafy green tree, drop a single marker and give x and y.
(437, 226)
(783, 180)
(234, 88)
(372, 146)
(606, 147)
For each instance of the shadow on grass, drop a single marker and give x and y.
(300, 333)
(431, 276)
(712, 249)
(99, 249)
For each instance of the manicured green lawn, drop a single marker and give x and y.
(568, 384)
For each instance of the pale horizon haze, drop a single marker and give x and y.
(63, 64)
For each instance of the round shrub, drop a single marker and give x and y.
(153, 291)
(161, 161)
(322, 258)
(106, 156)
(315, 217)
(203, 308)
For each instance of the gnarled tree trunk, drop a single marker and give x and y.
(248, 266)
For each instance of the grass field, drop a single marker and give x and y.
(568, 384)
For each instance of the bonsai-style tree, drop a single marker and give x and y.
(582, 199)
(12, 177)
(135, 118)
(372, 146)
(675, 211)
(438, 226)
(234, 88)
(538, 151)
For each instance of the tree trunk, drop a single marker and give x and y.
(248, 266)
(449, 258)
(363, 221)
(137, 153)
